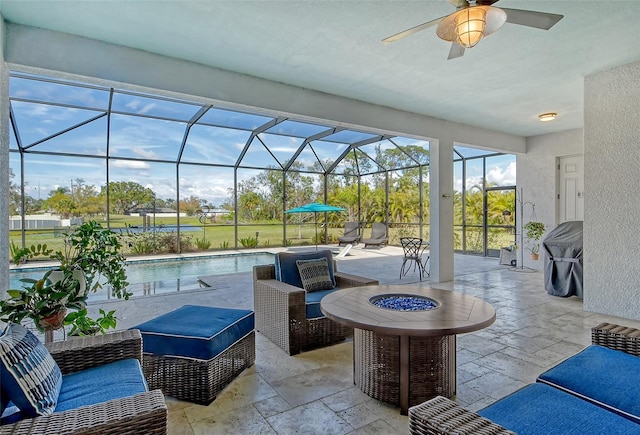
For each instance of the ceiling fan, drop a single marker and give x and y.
(474, 20)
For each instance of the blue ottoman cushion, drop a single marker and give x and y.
(287, 269)
(195, 331)
(541, 410)
(607, 377)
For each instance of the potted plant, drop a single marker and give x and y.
(534, 231)
(96, 251)
(91, 256)
(44, 301)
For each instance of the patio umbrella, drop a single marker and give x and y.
(315, 208)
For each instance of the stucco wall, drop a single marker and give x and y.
(612, 200)
(537, 178)
(4, 166)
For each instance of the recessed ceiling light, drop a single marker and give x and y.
(547, 117)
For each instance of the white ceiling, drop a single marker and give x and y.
(335, 46)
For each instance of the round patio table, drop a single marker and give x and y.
(406, 357)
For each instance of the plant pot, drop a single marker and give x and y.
(54, 321)
(78, 275)
(535, 257)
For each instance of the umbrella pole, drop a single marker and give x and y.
(315, 218)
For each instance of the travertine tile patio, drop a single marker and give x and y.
(313, 393)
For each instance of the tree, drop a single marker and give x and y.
(61, 203)
(191, 205)
(15, 196)
(125, 196)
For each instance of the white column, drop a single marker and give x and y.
(4, 166)
(441, 209)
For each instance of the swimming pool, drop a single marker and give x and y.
(149, 277)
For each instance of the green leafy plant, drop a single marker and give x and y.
(224, 245)
(20, 255)
(82, 324)
(249, 242)
(41, 299)
(203, 244)
(534, 231)
(90, 254)
(97, 252)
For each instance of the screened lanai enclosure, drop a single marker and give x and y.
(174, 175)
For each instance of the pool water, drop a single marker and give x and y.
(148, 277)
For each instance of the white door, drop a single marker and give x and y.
(571, 193)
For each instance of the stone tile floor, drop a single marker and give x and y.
(313, 393)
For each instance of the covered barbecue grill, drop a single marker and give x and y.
(563, 260)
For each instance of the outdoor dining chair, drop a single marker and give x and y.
(414, 248)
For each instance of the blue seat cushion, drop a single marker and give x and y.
(313, 299)
(539, 409)
(111, 381)
(287, 268)
(609, 378)
(29, 376)
(116, 380)
(195, 331)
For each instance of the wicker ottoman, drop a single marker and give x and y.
(192, 353)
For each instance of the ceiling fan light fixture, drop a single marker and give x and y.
(470, 24)
(546, 117)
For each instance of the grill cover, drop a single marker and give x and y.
(563, 260)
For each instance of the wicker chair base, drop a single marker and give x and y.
(323, 332)
(378, 371)
(196, 380)
(441, 416)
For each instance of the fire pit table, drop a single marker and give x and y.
(404, 341)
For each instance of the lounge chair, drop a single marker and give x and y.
(378, 237)
(351, 234)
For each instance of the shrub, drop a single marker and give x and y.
(249, 242)
(203, 244)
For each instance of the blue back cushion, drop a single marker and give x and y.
(287, 269)
(195, 331)
(29, 376)
(541, 410)
(609, 377)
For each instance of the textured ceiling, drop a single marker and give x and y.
(335, 46)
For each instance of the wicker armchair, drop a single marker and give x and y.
(143, 413)
(280, 311)
(443, 416)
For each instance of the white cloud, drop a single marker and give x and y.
(129, 164)
(502, 176)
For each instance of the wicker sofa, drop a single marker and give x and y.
(290, 317)
(592, 392)
(141, 413)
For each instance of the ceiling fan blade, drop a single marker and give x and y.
(456, 50)
(539, 20)
(412, 30)
(485, 2)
